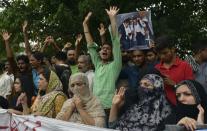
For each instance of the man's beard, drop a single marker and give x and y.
(71, 62)
(125, 60)
(22, 70)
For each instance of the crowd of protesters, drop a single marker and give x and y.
(135, 89)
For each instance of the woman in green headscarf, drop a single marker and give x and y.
(50, 96)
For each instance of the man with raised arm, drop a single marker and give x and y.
(108, 65)
(26, 40)
(20, 65)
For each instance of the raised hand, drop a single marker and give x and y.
(24, 26)
(200, 118)
(79, 37)
(112, 12)
(49, 40)
(22, 99)
(118, 99)
(6, 36)
(102, 29)
(87, 18)
(67, 45)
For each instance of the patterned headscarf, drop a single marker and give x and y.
(54, 83)
(47, 101)
(149, 113)
(156, 80)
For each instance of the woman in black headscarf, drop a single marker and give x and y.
(191, 106)
(148, 113)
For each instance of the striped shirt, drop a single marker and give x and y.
(191, 61)
(106, 74)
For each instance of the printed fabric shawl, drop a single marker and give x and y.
(149, 113)
(46, 105)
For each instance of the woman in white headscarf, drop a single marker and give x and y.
(83, 107)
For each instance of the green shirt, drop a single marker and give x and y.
(106, 74)
(74, 69)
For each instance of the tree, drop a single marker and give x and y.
(183, 20)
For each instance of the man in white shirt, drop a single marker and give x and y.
(6, 81)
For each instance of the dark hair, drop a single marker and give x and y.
(137, 49)
(26, 82)
(61, 56)
(127, 20)
(152, 50)
(38, 55)
(46, 73)
(198, 45)
(4, 103)
(164, 42)
(70, 48)
(27, 86)
(107, 43)
(24, 58)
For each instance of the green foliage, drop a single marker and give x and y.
(183, 20)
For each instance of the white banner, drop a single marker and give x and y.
(12, 122)
(4, 120)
